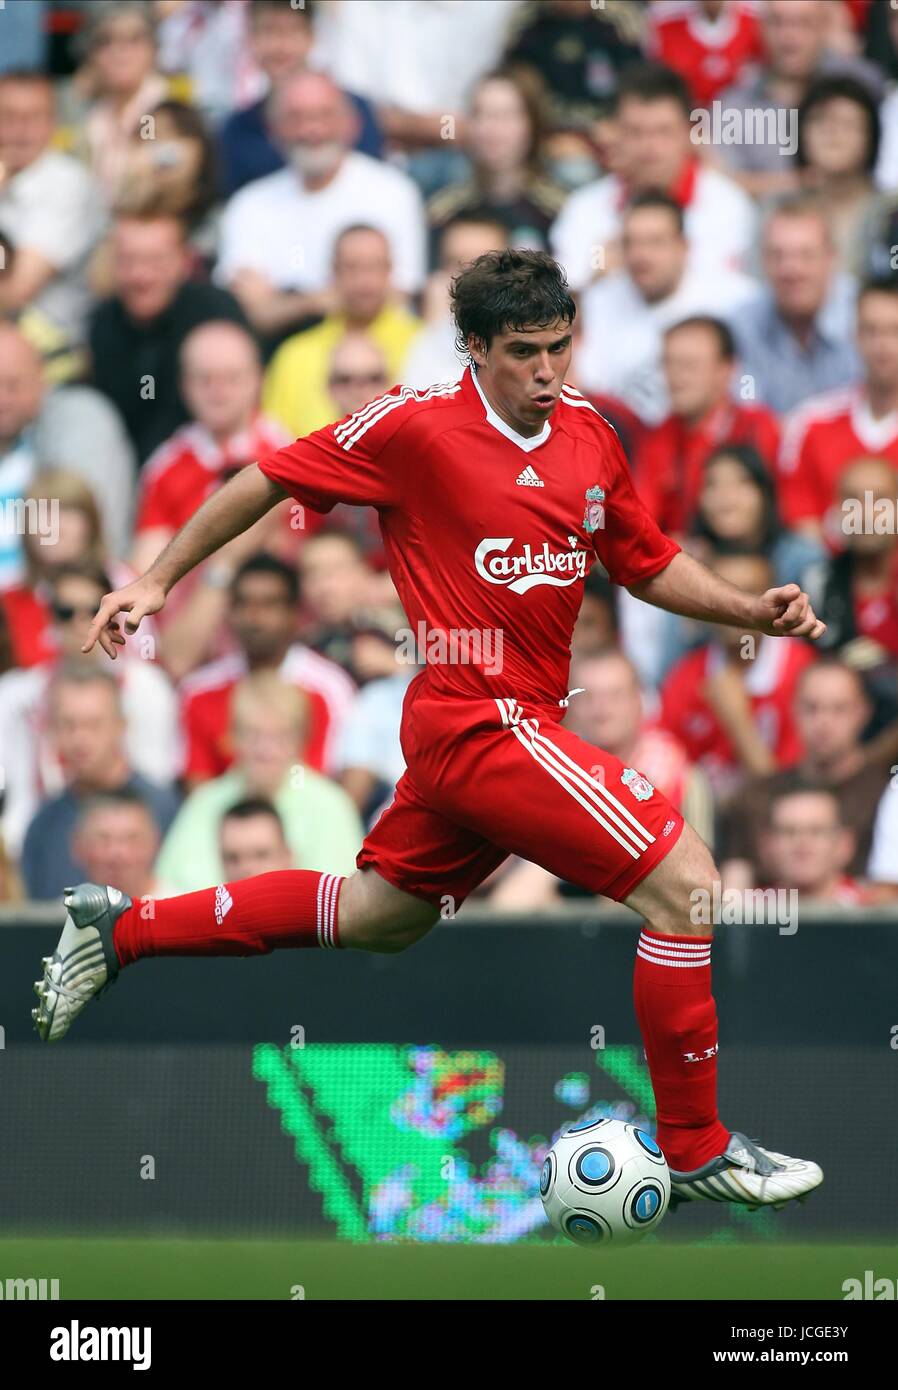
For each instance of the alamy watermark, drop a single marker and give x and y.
(451, 646)
(31, 516)
(729, 907)
(870, 515)
(776, 126)
(27, 1289)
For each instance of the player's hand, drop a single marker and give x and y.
(137, 600)
(786, 612)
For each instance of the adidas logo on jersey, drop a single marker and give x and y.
(223, 903)
(529, 478)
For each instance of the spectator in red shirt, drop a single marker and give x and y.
(262, 620)
(808, 847)
(730, 702)
(859, 598)
(822, 437)
(699, 365)
(709, 42)
(220, 381)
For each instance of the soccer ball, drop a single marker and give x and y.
(604, 1180)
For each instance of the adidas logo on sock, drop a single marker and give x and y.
(529, 478)
(223, 903)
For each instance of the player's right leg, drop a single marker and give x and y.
(104, 931)
(678, 1021)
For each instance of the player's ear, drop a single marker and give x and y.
(478, 349)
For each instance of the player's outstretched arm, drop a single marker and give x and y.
(689, 588)
(226, 514)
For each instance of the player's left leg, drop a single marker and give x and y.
(105, 931)
(678, 1021)
(411, 865)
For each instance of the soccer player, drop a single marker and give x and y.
(495, 493)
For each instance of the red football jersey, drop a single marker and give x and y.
(489, 535)
(820, 440)
(710, 56)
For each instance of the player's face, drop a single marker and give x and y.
(522, 373)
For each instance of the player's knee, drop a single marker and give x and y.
(371, 920)
(687, 904)
(385, 938)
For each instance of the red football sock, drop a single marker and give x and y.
(291, 907)
(678, 1022)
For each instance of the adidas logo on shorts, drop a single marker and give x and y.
(529, 478)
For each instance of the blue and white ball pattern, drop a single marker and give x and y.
(605, 1181)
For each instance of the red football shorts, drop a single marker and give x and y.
(486, 778)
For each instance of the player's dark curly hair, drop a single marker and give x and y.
(505, 291)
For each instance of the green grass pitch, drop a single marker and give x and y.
(326, 1269)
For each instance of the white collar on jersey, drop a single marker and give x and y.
(523, 441)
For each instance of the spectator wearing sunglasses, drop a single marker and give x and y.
(297, 389)
(33, 758)
(69, 530)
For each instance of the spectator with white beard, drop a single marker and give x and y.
(278, 233)
(280, 38)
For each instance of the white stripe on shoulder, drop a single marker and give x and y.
(350, 431)
(574, 398)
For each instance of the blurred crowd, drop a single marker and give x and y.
(226, 223)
